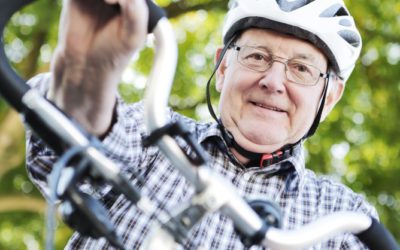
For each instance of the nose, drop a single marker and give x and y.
(274, 78)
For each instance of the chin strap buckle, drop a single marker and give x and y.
(269, 159)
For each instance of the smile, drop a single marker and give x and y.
(267, 107)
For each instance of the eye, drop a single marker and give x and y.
(300, 68)
(256, 56)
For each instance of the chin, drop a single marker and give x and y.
(265, 136)
(263, 143)
(268, 144)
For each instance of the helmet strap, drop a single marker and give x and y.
(208, 94)
(263, 160)
(317, 118)
(260, 159)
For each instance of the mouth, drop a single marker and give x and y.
(264, 106)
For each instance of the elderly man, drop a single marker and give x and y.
(281, 70)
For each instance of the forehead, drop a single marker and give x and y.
(282, 45)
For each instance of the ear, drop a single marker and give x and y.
(220, 73)
(335, 91)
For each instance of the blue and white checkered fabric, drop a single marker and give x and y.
(302, 195)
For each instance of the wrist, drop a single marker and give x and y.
(85, 92)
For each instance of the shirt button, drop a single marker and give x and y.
(246, 177)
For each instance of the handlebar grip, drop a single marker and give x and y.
(377, 237)
(12, 87)
(155, 14)
(8, 8)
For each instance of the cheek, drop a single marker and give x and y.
(231, 98)
(235, 87)
(239, 82)
(228, 98)
(230, 88)
(305, 103)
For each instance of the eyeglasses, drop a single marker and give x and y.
(261, 61)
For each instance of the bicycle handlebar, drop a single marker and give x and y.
(366, 228)
(319, 230)
(40, 113)
(226, 199)
(14, 92)
(51, 124)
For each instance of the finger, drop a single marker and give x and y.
(111, 1)
(135, 16)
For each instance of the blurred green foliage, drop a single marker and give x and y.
(357, 144)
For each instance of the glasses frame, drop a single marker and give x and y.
(283, 61)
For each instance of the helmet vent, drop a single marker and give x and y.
(233, 4)
(291, 5)
(350, 37)
(346, 23)
(334, 10)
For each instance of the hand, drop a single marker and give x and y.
(102, 31)
(96, 41)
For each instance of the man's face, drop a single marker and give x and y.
(263, 110)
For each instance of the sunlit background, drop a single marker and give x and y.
(358, 144)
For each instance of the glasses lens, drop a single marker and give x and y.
(261, 60)
(301, 73)
(255, 59)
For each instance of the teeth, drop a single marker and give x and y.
(271, 108)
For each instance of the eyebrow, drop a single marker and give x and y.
(308, 57)
(261, 47)
(311, 59)
(305, 56)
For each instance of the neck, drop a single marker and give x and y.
(262, 159)
(242, 159)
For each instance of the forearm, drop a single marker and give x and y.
(85, 91)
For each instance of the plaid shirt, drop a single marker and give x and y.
(302, 196)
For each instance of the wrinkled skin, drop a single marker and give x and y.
(96, 41)
(263, 110)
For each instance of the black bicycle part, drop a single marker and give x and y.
(196, 153)
(87, 216)
(12, 87)
(155, 14)
(180, 225)
(269, 211)
(377, 237)
(81, 211)
(271, 215)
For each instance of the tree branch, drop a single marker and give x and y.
(22, 203)
(178, 8)
(11, 142)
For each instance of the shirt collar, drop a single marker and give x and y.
(211, 132)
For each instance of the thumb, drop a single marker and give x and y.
(135, 15)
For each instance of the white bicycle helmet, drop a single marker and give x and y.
(325, 23)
